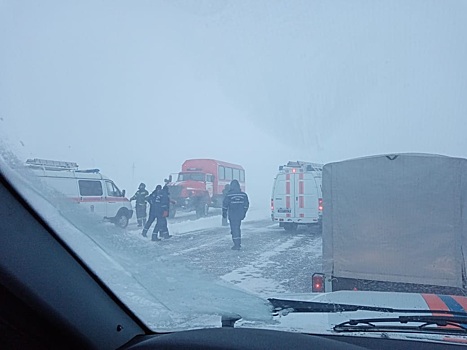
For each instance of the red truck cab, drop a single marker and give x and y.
(200, 184)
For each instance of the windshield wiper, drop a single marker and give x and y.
(313, 306)
(442, 324)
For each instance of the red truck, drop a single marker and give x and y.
(200, 184)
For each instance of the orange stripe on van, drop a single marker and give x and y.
(461, 300)
(434, 302)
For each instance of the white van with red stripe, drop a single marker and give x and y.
(93, 191)
(296, 195)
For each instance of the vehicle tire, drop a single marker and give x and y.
(172, 212)
(290, 226)
(121, 220)
(205, 209)
(202, 210)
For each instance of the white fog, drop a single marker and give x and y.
(135, 88)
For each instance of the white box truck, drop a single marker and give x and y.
(296, 195)
(395, 223)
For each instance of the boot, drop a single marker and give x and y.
(154, 237)
(144, 233)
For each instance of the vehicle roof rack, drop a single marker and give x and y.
(89, 171)
(52, 164)
(300, 164)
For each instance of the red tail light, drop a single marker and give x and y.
(320, 204)
(272, 204)
(318, 283)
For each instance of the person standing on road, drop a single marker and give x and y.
(153, 210)
(162, 213)
(235, 207)
(141, 204)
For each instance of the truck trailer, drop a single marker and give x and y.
(395, 223)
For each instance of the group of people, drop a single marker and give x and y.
(158, 210)
(234, 207)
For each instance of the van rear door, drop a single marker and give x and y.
(306, 198)
(283, 197)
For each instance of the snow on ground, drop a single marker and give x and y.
(191, 279)
(251, 277)
(179, 225)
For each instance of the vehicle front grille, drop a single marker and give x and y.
(175, 191)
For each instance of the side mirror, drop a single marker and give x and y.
(168, 180)
(123, 193)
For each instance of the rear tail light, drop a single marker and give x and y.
(272, 204)
(320, 204)
(318, 283)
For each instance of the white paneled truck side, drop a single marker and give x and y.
(395, 223)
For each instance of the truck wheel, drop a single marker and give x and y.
(290, 226)
(121, 220)
(202, 210)
(172, 212)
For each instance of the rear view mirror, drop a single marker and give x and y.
(123, 193)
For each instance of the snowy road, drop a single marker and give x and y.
(271, 260)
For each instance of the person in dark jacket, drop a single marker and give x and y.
(162, 213)
(235, 207)
(154, 208)
(141, 204)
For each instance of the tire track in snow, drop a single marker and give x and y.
(252, 277)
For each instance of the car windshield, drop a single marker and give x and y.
(348, 118)
(191, 176)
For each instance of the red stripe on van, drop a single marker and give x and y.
(301, 176)
(99, 199)
(301, 187)
(301, 202)
(287, 188)
(287, 177)
(287, 202)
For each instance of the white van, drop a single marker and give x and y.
(89, 188)
(296, 195)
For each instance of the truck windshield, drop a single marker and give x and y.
(191, 176)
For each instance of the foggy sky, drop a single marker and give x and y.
(136, 87)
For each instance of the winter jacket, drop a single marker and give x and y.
(159, 202)
(235, 203)
(140, 197)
